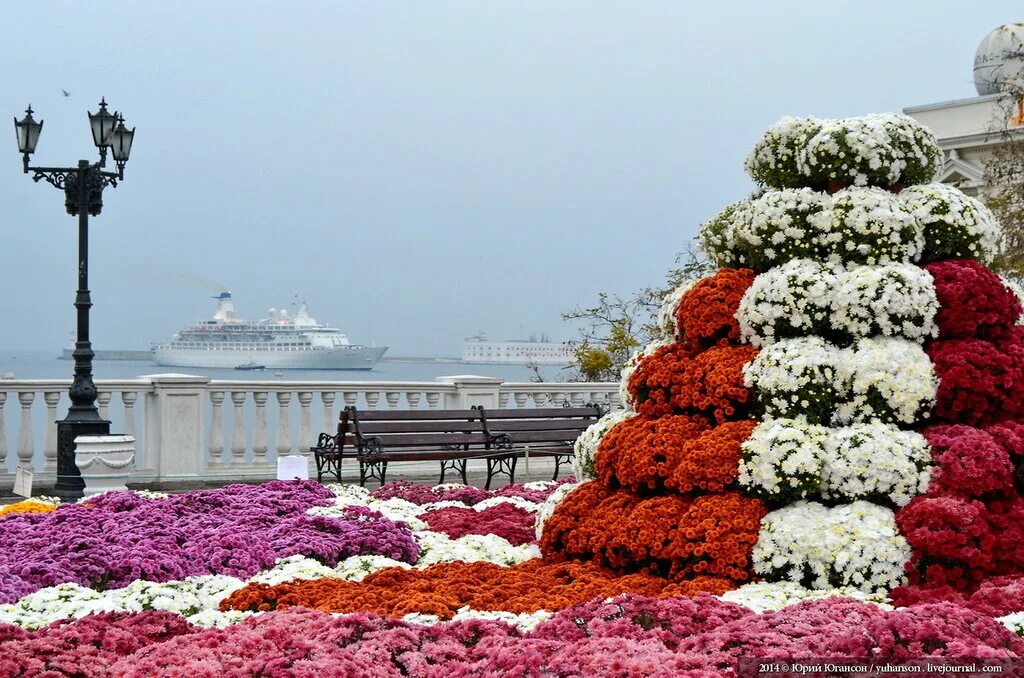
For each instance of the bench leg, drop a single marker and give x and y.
(372, 470)
(559, 460)
(462, 470)
(501, 465)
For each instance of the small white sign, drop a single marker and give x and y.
(23, 482)
(292, 467)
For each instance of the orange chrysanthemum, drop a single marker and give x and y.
(710, 462)
(707, 312)
(27, 506)
(641, 452)
(548, 584)
(673, 381)
(677, 536)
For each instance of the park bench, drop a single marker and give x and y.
(540, 432)
(376, 437)
(451, 437)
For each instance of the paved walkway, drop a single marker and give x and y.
(425, 473)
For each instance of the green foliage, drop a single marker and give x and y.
(613, 329)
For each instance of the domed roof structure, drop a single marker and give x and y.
(999, 60)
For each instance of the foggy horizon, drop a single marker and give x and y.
(420, 173)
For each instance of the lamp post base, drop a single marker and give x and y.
(70, 486)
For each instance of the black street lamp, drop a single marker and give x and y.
(83, 195)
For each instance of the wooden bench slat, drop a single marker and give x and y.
(543, 436)
(542, 413)
(538, 425)
(416, 415)
(375, 427)
(427, 439)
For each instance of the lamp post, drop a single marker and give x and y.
(83, 195)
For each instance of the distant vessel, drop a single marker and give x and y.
(279, 341)
(252, 365)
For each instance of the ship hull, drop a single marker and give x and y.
(354, 358)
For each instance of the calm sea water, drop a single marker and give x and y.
(35, 364)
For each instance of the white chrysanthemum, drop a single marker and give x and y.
(293, 567)
(956, 226)
(779, 226)
(895, 300)
(788, 301)
(716, 236)
(856, 545)
(774, 159)
(891, 380)
(547, 509)
(797, 377)
(436, 547)
(524, 621)
(868, 226)
(587, 443)
(783, 458)
(666, 320)
(873, 460)
(771, 596)
(188, 597)
(1016, 288)
(1014, 622)
(355, 494)
(357, 568)
(877, 150)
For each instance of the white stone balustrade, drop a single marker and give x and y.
(195, 428)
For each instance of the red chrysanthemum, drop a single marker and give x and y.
(978, 383)
(973, 302)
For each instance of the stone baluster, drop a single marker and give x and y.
(103, 403)
(578, 399)
(351, 398)
(540, 398)
(558, 398)
(52, 399)
(284, 423)
(521, 397)
(433, 399)
(238, 428)
(25, 448)
(216, 448)
(329, 425)
(305, 427)
(392, 399)
(3, 433)
(128, 399)
(372, 398)
(259, 438)
(413, 398)
(502, 399)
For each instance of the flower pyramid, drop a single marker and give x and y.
(840, 405)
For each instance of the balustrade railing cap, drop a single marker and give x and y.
(93, 440)
(172, 378)
(468, 379)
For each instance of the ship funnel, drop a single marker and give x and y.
(225, 307)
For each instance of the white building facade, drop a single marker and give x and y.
(968, 129)
(517, 352)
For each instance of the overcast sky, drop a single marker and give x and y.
(423, 170)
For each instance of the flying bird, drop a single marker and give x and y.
(66, 93)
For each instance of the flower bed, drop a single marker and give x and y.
(117, 538)
(626, 635)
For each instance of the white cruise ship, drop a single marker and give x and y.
(281, 341)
